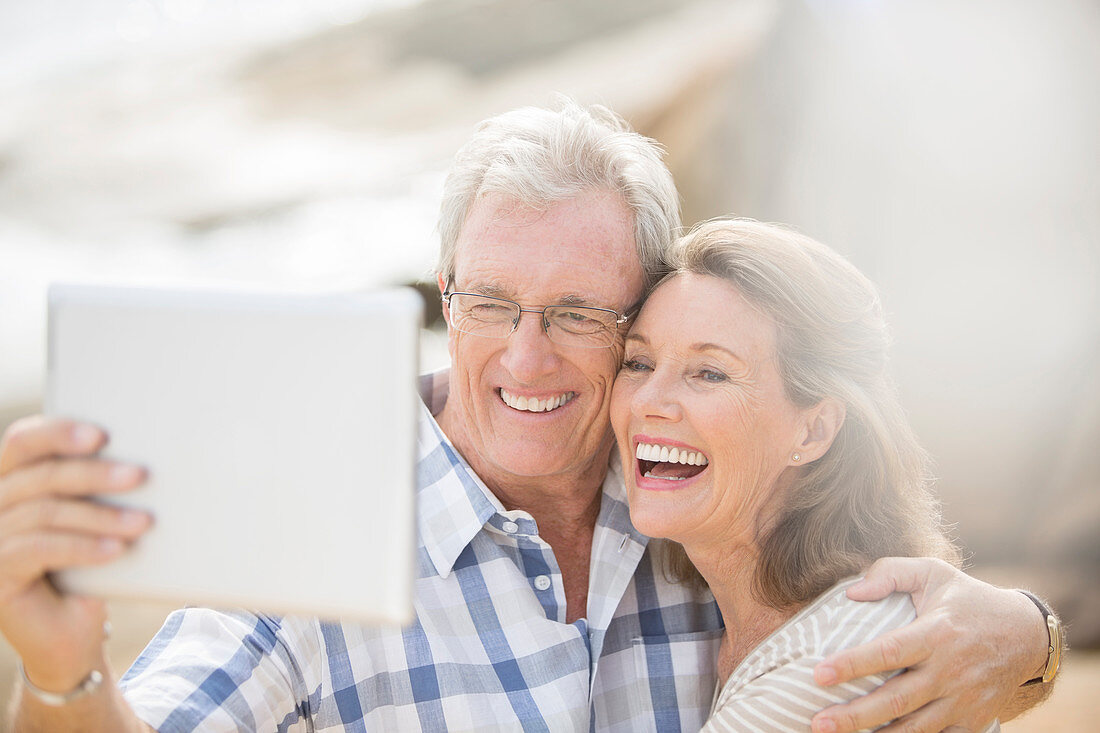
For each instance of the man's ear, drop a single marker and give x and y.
(822, 423)
(442, 289)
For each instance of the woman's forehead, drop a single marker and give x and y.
(691, 311)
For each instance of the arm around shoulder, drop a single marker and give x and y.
(966, 656)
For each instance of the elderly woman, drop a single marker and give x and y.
(761, 434)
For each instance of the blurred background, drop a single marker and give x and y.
(950, 148)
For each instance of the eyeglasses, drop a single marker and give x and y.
(568, 325)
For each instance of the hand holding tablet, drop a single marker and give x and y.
(48, 471)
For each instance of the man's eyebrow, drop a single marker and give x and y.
(496, 291)
(573, 299)
(490, 289)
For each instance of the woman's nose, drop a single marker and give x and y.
(656, 397)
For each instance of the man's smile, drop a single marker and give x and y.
(534, 404)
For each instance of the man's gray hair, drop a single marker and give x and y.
(538, 157)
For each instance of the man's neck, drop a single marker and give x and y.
(565, 507)
(567, 526)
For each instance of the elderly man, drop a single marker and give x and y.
(537, 604)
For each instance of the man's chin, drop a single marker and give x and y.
(527, 460)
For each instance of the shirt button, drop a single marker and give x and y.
(510, 527)
(542, 582)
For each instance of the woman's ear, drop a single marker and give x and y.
(822, 423)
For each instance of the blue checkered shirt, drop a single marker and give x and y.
(489, 648)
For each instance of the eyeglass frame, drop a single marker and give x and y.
(620, 318)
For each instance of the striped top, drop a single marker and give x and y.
(773, 690)
(489, 648)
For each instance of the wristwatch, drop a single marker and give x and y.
(1055, 639)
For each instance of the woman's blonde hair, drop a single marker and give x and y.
(869, 496)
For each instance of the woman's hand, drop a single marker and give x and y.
(965, 656)
(48, 522)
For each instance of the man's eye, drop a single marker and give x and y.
(575, 321)
(487, 308)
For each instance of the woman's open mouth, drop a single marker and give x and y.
(669, 463)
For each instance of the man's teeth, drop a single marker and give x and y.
(533, 404)
(664, 454)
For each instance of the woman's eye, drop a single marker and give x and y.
(633, 365)
(712, 375)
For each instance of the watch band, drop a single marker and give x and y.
(57, 699)
(1055, 641)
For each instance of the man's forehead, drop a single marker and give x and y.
(515, 274)
(579, 251)
(486, 252)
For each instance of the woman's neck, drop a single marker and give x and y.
(730, 572)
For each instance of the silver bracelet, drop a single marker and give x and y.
(57, 699)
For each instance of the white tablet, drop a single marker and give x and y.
(279, 433)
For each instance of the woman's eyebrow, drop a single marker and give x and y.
(635, 337)
(707, 346)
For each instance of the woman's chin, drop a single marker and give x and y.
(654, 524)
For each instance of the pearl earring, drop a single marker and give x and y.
(796, 457)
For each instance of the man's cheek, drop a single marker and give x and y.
(452, 344)
(614, 360)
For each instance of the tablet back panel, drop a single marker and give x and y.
(279, 433)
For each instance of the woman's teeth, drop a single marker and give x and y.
(533, 404)
(664, 454)
(669, 464)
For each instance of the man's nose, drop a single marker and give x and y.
(529, 354)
